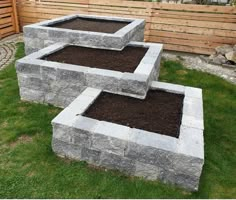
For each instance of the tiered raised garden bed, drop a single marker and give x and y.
(116, 115)
(84, 30)
(59, 73)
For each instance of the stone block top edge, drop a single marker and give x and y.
(169, 87)
(193, 92)
(135, 77)
(105, 72)
(191, 142)
(155, 140)
(128, 28)
(112, 130)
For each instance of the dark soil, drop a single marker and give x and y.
(160, 112)
(126, 60)
(94, 25)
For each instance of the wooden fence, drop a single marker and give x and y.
(8, 18)
(187, 28)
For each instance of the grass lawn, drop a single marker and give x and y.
(29, 168)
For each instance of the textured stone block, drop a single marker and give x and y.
(62, 132)
(30, 82)
(103, 79)
(90, 155)
(174, 88)
(149, 155)
(137, 84)
(193, 92)
(25, 66)
(64, 149)
(108, 144)
(112, 161)
(31, 95)
(149, 172)
(193, 107)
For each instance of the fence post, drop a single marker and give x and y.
(15, 21)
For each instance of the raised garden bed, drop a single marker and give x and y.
(125, 60)
(88, 24)
(82, 132)
(84, 30)
(45, 76)
(161, 107)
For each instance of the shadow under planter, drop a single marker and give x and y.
(84, 30)
(152, 149)
(59, 73)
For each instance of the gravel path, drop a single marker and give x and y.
(8, 49)
(192, 61)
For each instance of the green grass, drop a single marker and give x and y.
(29, 168)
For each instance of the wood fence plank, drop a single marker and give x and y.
(188, 28)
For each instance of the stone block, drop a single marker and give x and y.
(108, 144)
(191, 121)
(91, 156)
(134, 84)
(191, 142)
(112, 130)
(149, 155)
(150, 139)
(193, 107)
(193, 92)
(103, 79)
(31, 95)
(30, 82)
(147, 171)
(169, 87)
(62, 132)
(64, 149)
(112, 161)
(24, 66)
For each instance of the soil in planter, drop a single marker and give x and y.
(94, 25)
(160, 112)
(126, 60)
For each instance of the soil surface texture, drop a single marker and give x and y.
(126, 60)
(94, 25)
(160, 112)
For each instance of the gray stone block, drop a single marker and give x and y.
(103, 79)
(112, 161)
(71, 76)
(188, 182)
(91, 156)
(64, 149)
(30, 82)
(149, 155)
(134, 84)
(108, 144)
(169, 87)
(147, 171)
(31, 95)
(192, 121)
(193, 107)
(63, 133)
(24, 66)
(193, 92)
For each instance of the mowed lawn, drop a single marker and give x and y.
(29, 168)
